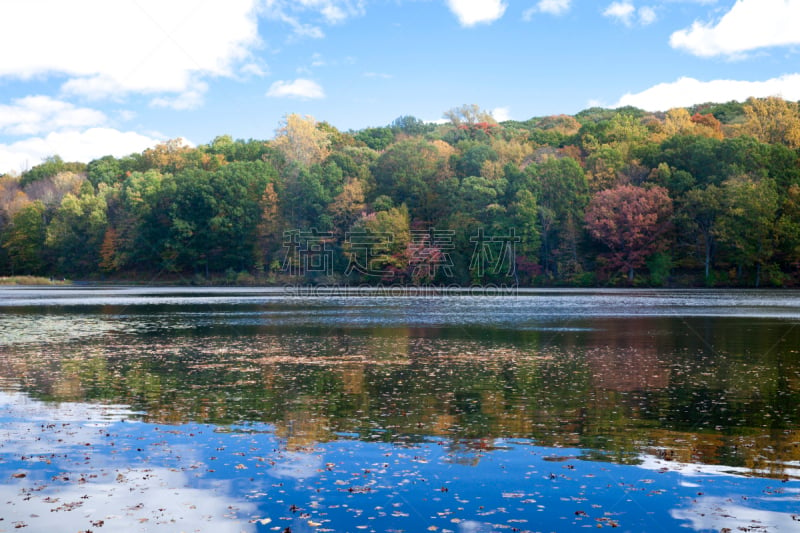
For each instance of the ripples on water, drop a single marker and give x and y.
(254, 409)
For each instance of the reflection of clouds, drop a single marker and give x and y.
(714, 513)
(471, 526)
(297, 465)
(648, 462)
(24, 423)
(20, 405)
(152, 499)
(125, 499)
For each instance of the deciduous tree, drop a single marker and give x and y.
(773, 120)
(301, 140)
(632, 222)
(746, 226)
(24, 238)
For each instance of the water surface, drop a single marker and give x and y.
(260, 409)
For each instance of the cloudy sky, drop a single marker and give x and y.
(86, 78)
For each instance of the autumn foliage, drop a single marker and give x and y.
(706, 195)
(632, 222)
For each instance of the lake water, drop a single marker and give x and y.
(133, 409)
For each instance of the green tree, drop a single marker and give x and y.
(24, 238)
(376, 138)
(411, 126)
(140, 220)
(407, 172)
(524, 211)
(789, 227)
(473, 157)
(746, 226)
(49, 168)
(697, 220)
(104, 170)
(562, 193)
(237, 150)
(76, 231)
(307, 194)
(215, 217)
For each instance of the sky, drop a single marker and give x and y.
(87, 78)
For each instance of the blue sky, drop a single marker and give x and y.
(87, 78)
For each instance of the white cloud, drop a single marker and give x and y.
(622, 11)
(501, 114)
(472, 12)
(72, 146)
(300, 30)
(381, 75)
(554, 7)
(647, 15)
(318, 61)
(190, 99)
(33, 115)
(126, 114)
(254, 69)
(108, 49)
(551, 7)
(749, 25)
(689, 91)
(299, 88)
(626, 13)
(327, 11)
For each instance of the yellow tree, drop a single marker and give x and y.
(347, 206)
(678, 122)
(773, 120)
(267, 230)
(515, 150)
(301, 140)
(12, 197)
(169, 156)
(468, 115)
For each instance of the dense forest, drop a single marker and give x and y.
(704, 196)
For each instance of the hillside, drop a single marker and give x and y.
(705, 196)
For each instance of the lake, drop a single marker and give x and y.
(228, 410)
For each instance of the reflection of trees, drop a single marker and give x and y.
(627, 369)
(620, 394)
(624, 358)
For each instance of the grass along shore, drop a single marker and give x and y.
(31, 280)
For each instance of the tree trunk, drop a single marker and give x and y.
(630, 274)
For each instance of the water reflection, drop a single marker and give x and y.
(461, 398)
(94, 467)
(615, 388)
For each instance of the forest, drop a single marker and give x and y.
(692, 197)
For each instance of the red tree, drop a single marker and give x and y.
(631, 222)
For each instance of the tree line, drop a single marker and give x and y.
(701, 196)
